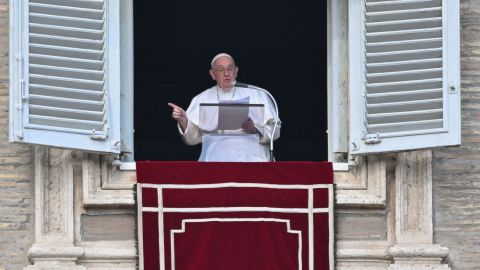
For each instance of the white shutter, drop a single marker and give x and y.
(64, 77)
(404, 74)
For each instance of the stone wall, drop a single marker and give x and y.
(456, 171)
(16, 174)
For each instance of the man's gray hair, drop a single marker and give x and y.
(221, 55)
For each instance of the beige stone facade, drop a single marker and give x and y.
(63, 209)
(456, 171)
(16, 175)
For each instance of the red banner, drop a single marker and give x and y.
(199, 215)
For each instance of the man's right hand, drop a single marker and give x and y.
(179, 115)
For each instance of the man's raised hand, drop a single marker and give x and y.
(179, 115)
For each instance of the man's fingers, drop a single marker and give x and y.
(175, 106)
(177, 111)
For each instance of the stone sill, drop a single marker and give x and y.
(130, 166)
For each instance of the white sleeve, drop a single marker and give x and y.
(192, 134)
(267, 129)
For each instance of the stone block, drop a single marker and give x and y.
(106, 227)
(361, 225)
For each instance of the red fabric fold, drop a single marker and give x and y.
(192, 172)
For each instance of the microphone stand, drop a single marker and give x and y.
(239, 84)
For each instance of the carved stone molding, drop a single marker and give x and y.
(414, 248)
(362, 255)
(369, 254)
(109, 257)
(414, 197)
(54, 227)
(364, 185)
(418, 256)
(105, 185)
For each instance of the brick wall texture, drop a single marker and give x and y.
(456, 171)
(16, 175)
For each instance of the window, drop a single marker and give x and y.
(284, 52)
(65, 74)
(404, 75)
(403, 89)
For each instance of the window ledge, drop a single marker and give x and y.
(128, 166)
(131, 166)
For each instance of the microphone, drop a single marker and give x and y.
(239, 84)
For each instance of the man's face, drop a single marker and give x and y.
(224, 72)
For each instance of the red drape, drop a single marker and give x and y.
(200, 215)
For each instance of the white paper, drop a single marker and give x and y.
(232, 117)
(229, 115)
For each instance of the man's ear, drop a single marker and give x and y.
(236, 71)
(212, 74)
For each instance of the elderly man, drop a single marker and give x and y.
(250, 146)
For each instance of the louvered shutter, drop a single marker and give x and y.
(404, 74)
(64, 76)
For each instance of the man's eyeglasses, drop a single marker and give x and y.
(223, 69)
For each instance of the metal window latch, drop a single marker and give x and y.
(97, 136)
(23, 87)
(452, 87)
(372, 138)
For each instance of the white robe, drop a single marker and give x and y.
(235, 148)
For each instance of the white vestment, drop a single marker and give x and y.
(235, 148)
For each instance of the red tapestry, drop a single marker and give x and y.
(222, 215)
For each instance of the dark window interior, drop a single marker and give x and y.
(280, 46)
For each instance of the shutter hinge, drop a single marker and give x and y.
(372, 138)
(97, 136)
(18, 137)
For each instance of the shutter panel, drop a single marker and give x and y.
(404, 74)
(67, 62)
